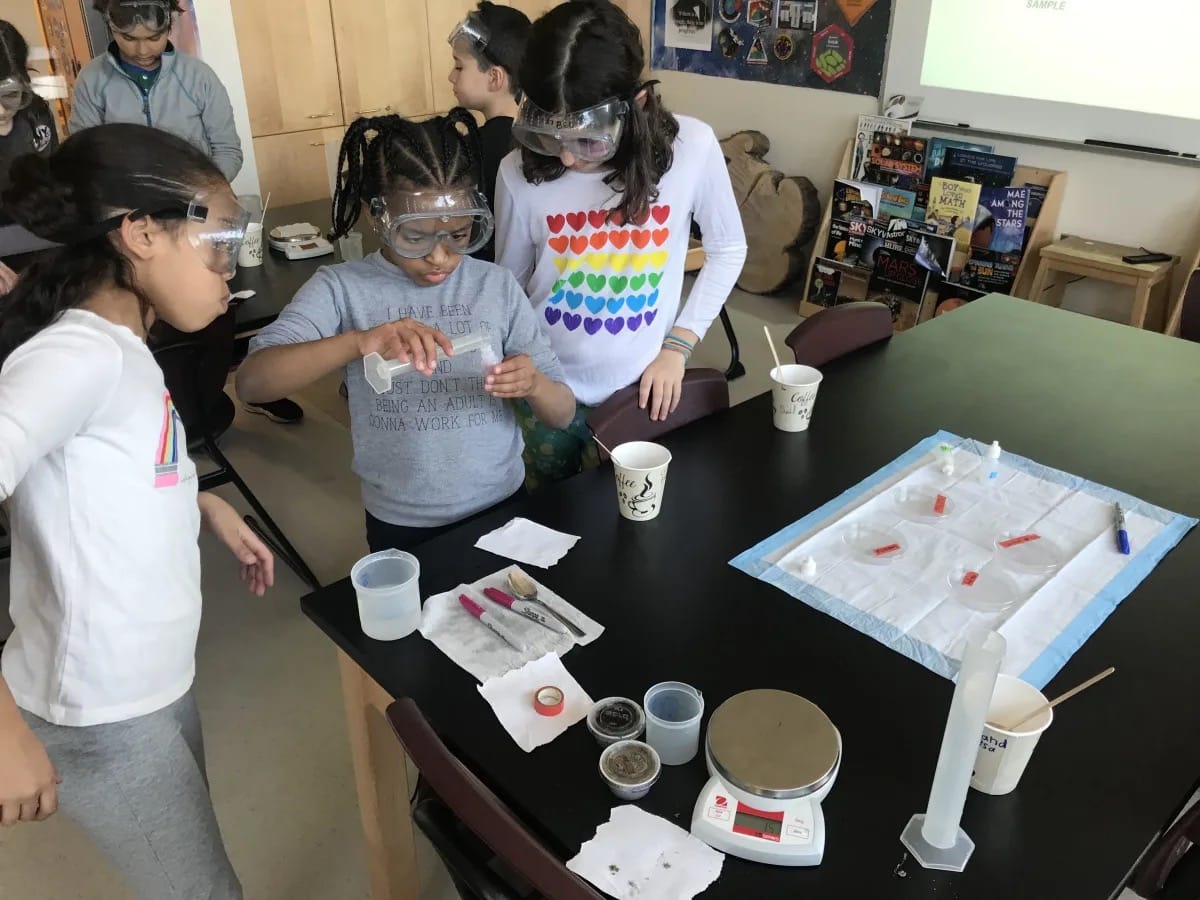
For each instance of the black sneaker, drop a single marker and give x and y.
(284, 412)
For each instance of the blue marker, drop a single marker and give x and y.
(1122, 534)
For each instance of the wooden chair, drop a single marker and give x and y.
(1185, 313)
(838, 330)
(470, 828)
(618, 419)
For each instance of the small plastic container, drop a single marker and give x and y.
(379, 372)
(876, 545)
(673, 712)
(630, 769)
(616, 719)
(388, 587)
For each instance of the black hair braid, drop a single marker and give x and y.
(388, 153)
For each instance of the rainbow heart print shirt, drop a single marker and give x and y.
(609, 270)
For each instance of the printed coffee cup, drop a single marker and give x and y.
(794, 396)
(251, 253)
(641, 472)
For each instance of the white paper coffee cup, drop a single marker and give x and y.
(794, 396)
(1003, 753)
(641, 472)
(251, 253)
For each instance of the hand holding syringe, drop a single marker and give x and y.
(379, 372)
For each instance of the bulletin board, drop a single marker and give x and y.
(836, 45)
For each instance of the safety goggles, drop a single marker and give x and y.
(216, 228)
(475, 32)
(413, 223)
(129, 15)
(591, 135)
(15, 94)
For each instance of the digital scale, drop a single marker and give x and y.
(300, 241)
(773, 757)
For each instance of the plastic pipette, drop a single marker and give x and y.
(379, 372)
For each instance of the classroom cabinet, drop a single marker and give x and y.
(295, 168)
(383, 52)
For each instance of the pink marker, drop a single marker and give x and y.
(490, 621)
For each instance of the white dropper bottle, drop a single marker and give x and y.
(991, 467)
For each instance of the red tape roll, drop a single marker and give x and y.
(548, 701)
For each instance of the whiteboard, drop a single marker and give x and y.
(1064, 70)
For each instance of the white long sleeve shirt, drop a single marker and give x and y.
(606, 293)
(105, 578)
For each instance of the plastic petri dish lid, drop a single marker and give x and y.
(988, 589)
(874, 544)
(923, 504)
(1029, 552)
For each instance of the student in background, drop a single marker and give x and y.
(142, 80)
(97, 715)
(488, 46)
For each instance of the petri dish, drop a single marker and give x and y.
(920, 504)
(874, 544)
(988, 589)
(1029, 552)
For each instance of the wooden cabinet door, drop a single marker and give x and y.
(295, 167)
(289, 64)
(383, 57)
(443, 16)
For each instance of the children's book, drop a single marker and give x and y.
(952, 208)
(937, 153)
(982, 168)
(896, 203)
(897, 160)
(855, 198)
(989, 271)
(868, 126)
(1000, 220)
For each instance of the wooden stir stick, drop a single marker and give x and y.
(1060, 699)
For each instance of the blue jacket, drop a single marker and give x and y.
(187, 99)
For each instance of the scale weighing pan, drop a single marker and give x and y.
(876, 545)
(1029, 552)
(301, 240)
(923, 504)
(773, 757)
(988, 589)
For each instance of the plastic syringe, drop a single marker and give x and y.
(379, 372)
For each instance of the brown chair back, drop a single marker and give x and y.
(618, 419)
(480, 810)
(838, 330)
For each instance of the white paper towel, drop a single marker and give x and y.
(511, 696)
(528, 542)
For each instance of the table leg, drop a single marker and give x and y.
(1141, 303)
(1058, 290)
(381, 777)
(1039, 282)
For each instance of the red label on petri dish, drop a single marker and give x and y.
(970, 578)
(886, 551)
(1023, 539)
(939, 505)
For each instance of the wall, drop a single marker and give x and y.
(23, 15)
(218, 42)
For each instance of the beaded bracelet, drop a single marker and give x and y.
(679, 345)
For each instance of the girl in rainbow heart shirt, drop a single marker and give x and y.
(593, 215)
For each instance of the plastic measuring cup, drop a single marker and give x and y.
(387, 584)
(673, 711)
(379, 372)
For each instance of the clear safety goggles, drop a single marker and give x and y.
(591, 135)
(15, 94)
(475, 32)
(413, 223)
(216, 228)
(129, 15)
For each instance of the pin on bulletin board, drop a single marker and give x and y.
(827, 44)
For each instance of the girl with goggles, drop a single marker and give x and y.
(96, 678)
(609, 183)
(443, 444)
(26, 123)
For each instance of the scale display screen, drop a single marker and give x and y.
(758, 824)
(309, 246)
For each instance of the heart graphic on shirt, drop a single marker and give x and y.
(598, 240)
(651, 315)
(591, 326)
(653, 299)
(559, 244)
(634, 323)
(614, 326)
(641, 239)
(655, 279)
(636, 282)
(618, 219)
(556, 223)
(579, 245)
(559, 285)
(659, 258)
(597, 218)
(618, 239)
(641, 260)
(575, 262)
(596, 283)
(619, 262)
(576, 221)
(575, 280)
(661, 214)
(574, 299)
(635, 302)
(553, 315)
(594, 304)
(615, 304)
(661, 235)
(572, 321)
(617, 283)
(560, 263)
(557, 297)
(597, 261)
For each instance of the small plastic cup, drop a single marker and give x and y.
(641, 471)
(388, 587)
(1003, 754)
(616, 719)
(251, 253)
(630, 769)
(673, 711)
(794, 396)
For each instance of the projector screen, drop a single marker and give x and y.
(1072, 70)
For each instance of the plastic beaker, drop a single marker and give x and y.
(389, 594)
(673, 711)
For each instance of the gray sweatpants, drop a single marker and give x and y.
(140, 791)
